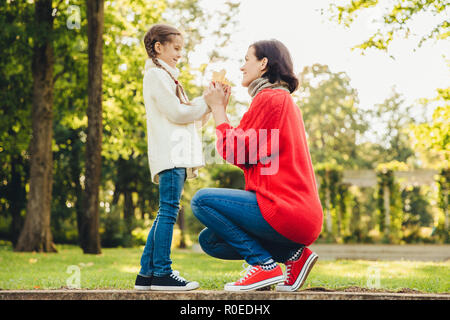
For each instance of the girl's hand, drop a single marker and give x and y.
(216, 96)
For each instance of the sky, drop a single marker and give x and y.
(312, 38)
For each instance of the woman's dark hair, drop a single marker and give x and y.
(279, 65)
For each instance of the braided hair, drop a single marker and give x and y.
(162, 33)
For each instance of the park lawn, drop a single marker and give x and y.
(117, 268)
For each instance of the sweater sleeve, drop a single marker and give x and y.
(157, 86)
(256, 139)
(205, 118)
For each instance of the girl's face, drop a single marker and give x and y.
(170, 52)
(252, 68)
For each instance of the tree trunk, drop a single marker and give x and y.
(446, 216)
(75, 174)
(17, 196)
(387, 210)
(90, 237)
(116, 195)
(328, 206)
(36, 234)
(181, 224)
(128, 210)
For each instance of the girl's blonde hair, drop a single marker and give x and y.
(163, 33)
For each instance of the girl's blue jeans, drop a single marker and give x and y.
(155, 259)
(235, 228)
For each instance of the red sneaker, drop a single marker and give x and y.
(256, 278)
(297, 271)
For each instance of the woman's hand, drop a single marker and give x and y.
(216, 95)
(227, 91)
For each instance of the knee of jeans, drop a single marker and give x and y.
(202, 237)
(168, 213)
(196, 201)
(204, 240)
(198, 196)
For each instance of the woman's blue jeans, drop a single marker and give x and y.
(235, 228)
(155, 259)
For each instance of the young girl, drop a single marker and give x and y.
(174, 151)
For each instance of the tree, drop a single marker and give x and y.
(124, 125)
(36, 234)
(90, 237)
(432, 143)
(333, 121)
(395, 20)
(125, 145)
(391, 120)
(431, 138)
(70, 120)
(16, 85)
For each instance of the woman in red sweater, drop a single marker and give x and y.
(279, 213)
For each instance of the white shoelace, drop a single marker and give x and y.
(288, 273)
(249, 270)
(176, 275)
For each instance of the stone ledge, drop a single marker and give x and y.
(209, 295)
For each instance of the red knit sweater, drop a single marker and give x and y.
(270, 146)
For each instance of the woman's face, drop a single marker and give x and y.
(252, 68)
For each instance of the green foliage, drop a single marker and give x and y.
(345, 210)
(227, 176)
(331, 178)
(392, 233)
(16, 86)
(15, 78)
(333, 122)
(123, 63)
(329, 105)
(391, 121)
(124, 152)
(114, 232)
(432, 138)
(335, 198)
(416, 213)
(360, 217)
(442, 231)
(395, 17)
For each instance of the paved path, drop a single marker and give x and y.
(211, 295)
(383, 252)
(420, 252)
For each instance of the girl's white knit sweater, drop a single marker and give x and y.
(172, 127)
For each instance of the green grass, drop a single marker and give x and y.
(117, 269)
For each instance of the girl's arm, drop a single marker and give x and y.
(157, 86)
(201, 123)
(205, 118)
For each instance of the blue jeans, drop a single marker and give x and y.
(235, 228)
(155, 259)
